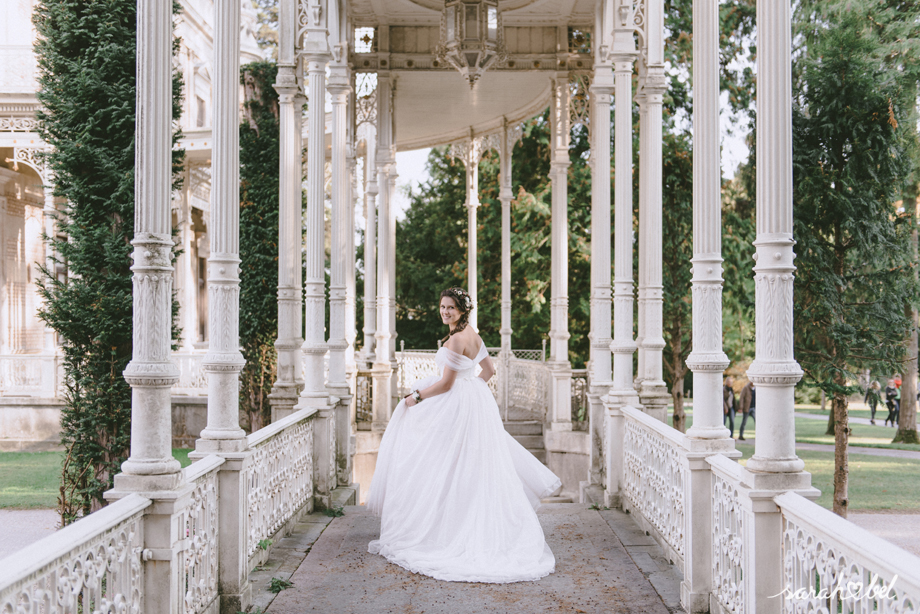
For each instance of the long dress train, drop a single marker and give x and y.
(457, 494)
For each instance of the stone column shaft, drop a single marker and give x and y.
(472, 205)
(224, 361)
(370, 249)
(314, 346)
(561, 391)
(289, 380)
(600, 230)
(706, 360)
(623, 344)
(151, 373)
(383, 367)
(338, 344)
(774, 370)
(392, 176)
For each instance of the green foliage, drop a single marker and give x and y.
(265, 544)
(334, 512)
(276, 585)
(854, 256)
(259, 185)
(86, 60)
(431, 245)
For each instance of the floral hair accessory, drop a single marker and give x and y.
(463, 296)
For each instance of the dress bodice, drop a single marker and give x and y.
(463, 365)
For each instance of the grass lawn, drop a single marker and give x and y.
(876, 483)
(31, 480)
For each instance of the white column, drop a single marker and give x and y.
(653, 392)
(224, 361)
(289, 380)
(351, 194)
(151, 373)
(707, 360)
(392, 176)
(774, 369)
(623, 344)
(601, 90)
(510, 136)
(472, 206)
(561, 394)
(370, 248)
(314, 346)
(188, 267)
(383, 368)
(338, 259)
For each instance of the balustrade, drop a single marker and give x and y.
(198, 571)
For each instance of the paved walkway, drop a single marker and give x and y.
(604, 564)
(879, 420)
(19, 528)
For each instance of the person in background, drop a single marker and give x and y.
(748, 404)
(873, 398)
(891, 395)
(728, 404)
(897, 407)
(897, 381)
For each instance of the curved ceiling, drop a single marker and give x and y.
(434, 108)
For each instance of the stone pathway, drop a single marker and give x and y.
(19, 528)
(604, 564)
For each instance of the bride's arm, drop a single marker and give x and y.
(488, 369)
(439, 387)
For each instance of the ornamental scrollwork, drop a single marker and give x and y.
(102, 574)
(199, 561)
(729, 542)
(280, 480)
(655, 482)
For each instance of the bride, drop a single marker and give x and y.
(457, 495)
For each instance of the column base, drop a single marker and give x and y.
(655, 397)
(693, 602)
(148, 485)
(776, 467)
(283, 398)
(205, 446)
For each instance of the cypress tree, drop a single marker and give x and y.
(259, 185)
(86, 54)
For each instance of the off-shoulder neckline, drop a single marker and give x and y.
(482, 344)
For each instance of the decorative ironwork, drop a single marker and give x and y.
(364, 399)
(580, 41)
(101, 574)
(366, 97)
(814, 562)
(413, 365)
(472, 37)
(580, 100)
(655, 481)
(580, 386)
(18, 124)
(192, 378)
(529, 386)
(280, 478)
(729, 540)
(199, 570)
(365, 40)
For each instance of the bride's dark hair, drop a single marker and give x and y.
(464, 304)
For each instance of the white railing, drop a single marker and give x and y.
(193, 381)
(93, 565)
(198, 573)
(279, 475)
(732, 536)
(824, 552)
(529, 383)
(413, 366)
(655, 476)
(31, 375)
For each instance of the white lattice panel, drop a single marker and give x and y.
(731, 530)
(199, 561)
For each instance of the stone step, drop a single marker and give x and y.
(557, 500)
(524, 427)
(531, 442)
(540, 454)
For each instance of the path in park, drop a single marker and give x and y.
(604, 564)
(19, 528)
(853, 419)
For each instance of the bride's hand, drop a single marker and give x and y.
(410, 401)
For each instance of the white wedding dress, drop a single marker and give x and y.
(457, 494)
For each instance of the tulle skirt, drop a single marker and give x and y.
(457, 495)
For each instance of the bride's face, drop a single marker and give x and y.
(450, 315)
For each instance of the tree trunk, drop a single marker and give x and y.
(907, 420)
(841, 437)
(677, 395)
(830, 422)
(823, 400)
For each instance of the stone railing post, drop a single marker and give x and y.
(370, 252)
